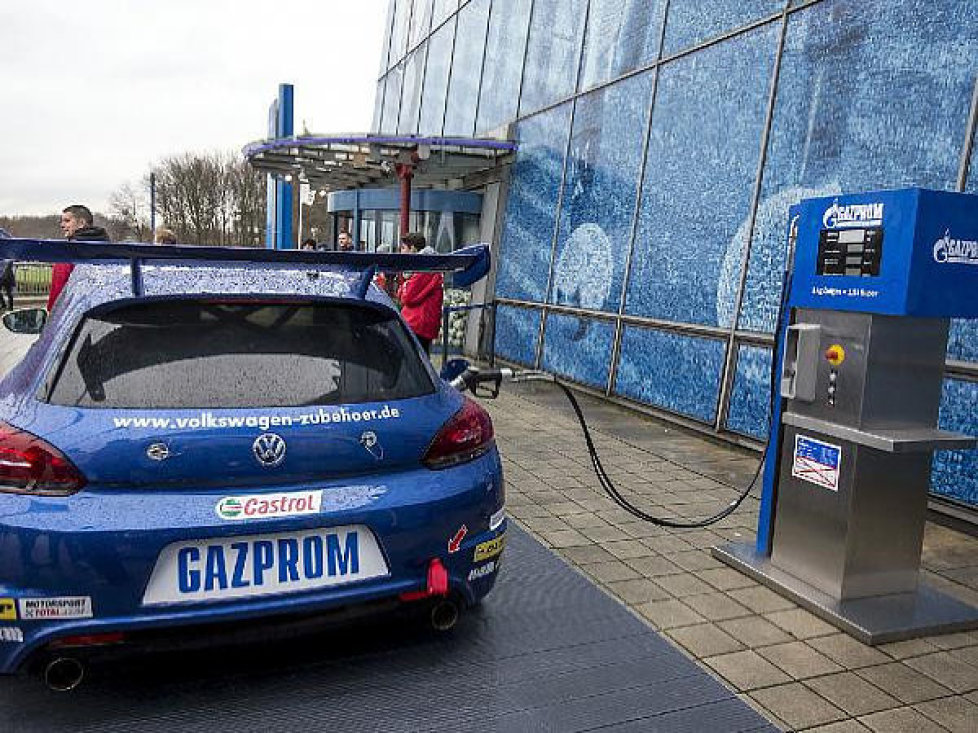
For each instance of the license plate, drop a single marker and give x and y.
(262, 565)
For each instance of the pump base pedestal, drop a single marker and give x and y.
(873, 620)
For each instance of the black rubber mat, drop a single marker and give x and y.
(546, 651)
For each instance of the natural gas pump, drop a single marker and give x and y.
(876, 279)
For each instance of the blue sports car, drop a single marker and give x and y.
(197, 449)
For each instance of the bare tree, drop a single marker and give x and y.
(130, 210)
(214, 198)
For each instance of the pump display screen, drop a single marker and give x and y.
(853, 252)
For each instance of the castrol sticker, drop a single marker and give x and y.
(263, 506)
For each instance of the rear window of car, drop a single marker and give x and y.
(180, 354)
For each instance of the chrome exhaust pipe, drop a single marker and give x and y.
(63, 674)
(444, 615)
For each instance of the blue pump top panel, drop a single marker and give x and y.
(909, 252)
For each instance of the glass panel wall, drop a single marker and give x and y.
(385, 48)
(578, 348)
(871, 94)
(702, 161)
(553, 52)
(517, 333)
(463, 84)
(956, 472)
(420, 22)
(441, 10)
(411, 92)
(399, 31)
(392, 100)
(694, 21)
(599, 195)
(436, 79)
(508, 27)
(672, 371)
(749, 412)
(898, 122)
(620, 36)
(528, 222)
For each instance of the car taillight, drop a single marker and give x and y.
(466, 436)
(28, 465)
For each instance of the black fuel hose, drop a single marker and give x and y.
(475, 376)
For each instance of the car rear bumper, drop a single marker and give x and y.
(94, 554)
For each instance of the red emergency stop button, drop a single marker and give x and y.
(835, 355)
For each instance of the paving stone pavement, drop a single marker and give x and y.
(797, 670)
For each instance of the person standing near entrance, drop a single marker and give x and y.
(421, 294)
(78, 225)
(344, 242)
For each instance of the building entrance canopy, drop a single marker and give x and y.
(347, 162)
(344, 162)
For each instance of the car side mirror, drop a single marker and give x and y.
(26, 320)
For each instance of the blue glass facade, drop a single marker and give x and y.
(577, 348)
(693, 21)
(621, 35)
(657, 163)
(598, 202)
(703, 150)
(528, 222)
(749, 412)
(956, 472)
(671, 371)
(553, 52)
(517, 333)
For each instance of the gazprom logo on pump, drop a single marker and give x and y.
(852, 215)
(947, 249)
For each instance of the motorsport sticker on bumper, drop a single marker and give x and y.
(482, 571)
(33, 609)
(262, 565)
(263, 506)
(488, 549)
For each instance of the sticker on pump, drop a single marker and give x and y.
(817, 462)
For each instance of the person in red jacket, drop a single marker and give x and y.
(78, 225)
(421, 294)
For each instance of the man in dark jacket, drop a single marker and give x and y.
(78, 225)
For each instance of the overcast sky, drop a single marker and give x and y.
(94, 92)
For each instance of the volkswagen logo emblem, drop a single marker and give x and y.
(158, 451)
(269, 449)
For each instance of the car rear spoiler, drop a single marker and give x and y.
(469, 263)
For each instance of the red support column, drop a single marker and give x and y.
(405, 172)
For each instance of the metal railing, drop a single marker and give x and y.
(33, 278)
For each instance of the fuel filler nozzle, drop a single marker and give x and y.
(485, 383)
